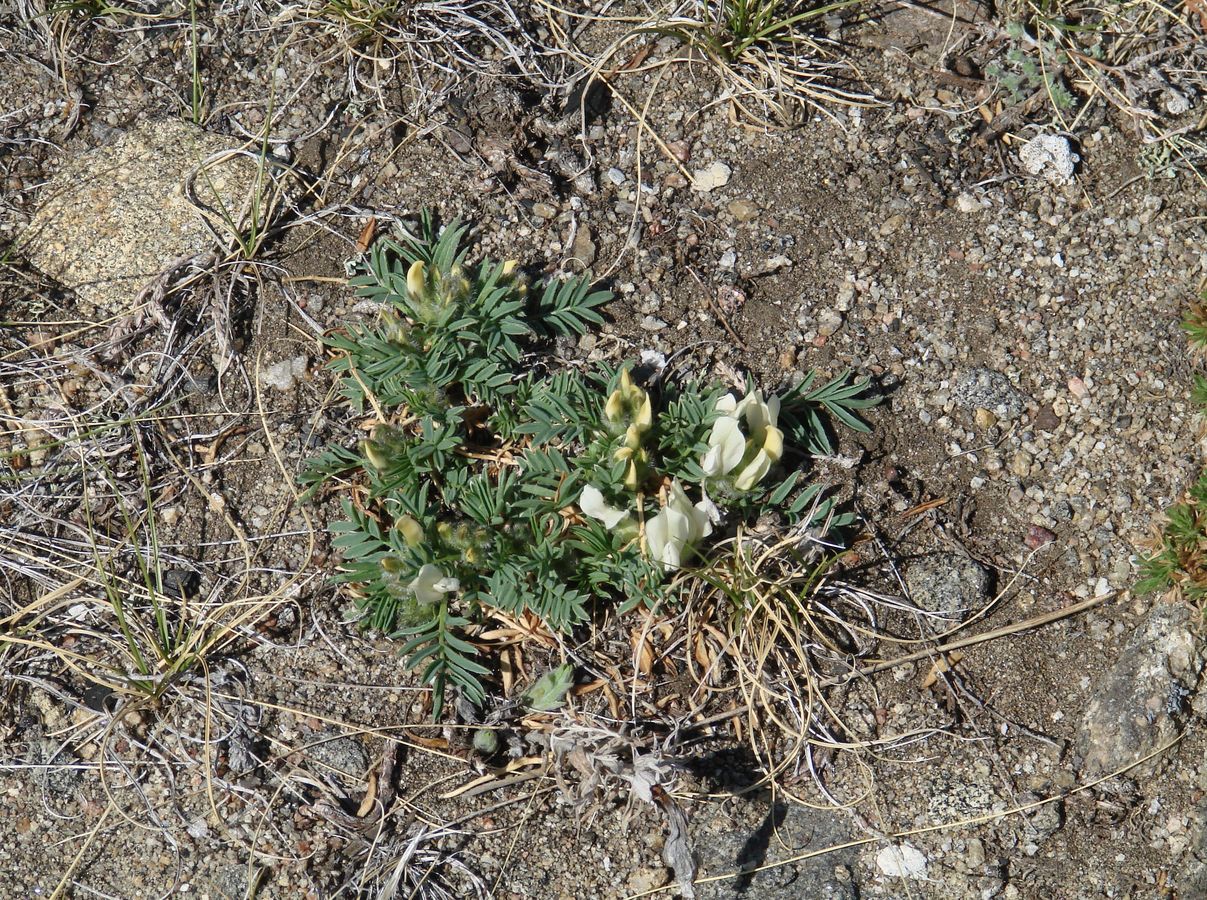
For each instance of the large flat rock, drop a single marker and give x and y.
(114, 217)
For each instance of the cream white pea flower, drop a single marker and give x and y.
(431, 583)
(726, 447)
(671, 534)
(749, 461)
(592, 503)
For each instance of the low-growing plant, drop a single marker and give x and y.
(1029, 65)
(1181, 557)
(489, 482)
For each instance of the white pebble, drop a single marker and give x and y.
(901, 862)
(1050, 155)
(714, 176)
(284, 375)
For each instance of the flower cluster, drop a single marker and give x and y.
(743, 459)
(745, 442)
(678, 527)
(629, 412)
(431, 292)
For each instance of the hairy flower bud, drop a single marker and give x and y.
(455, 286)
(614, 409)
(375, 452)
(417, 280)
(628, 410)
(632, 436)
(411, 531)
(631, 476)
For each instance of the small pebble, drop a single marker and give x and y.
(1038, 536)
(891, 225)
(710, 178)
(743, 210)
(966, 203)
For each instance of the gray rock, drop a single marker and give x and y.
(986, 389)
(232, 882)
(115, 217)
(949, 584)
(828, 876)
(285, 374)
(955, 801)
(1041, 822)
(829, 322)
(1050, 155)
(1192, 879)
(338, 756)
(583, 250)
(1141, 701)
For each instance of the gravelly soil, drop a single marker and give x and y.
(1036, 421)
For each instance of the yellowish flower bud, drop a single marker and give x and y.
(628, 408)
(630, 476)
(632, 436)
(645, 413)
(509, 268)
(376, 454)
(416, 280)
(614, 408)
(456, 287)
(411, 531)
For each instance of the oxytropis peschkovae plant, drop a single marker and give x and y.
(489, 483)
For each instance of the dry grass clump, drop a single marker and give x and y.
(118, 605)
(772, 62)
(426, 50)
(796, 639)
(105, 481)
